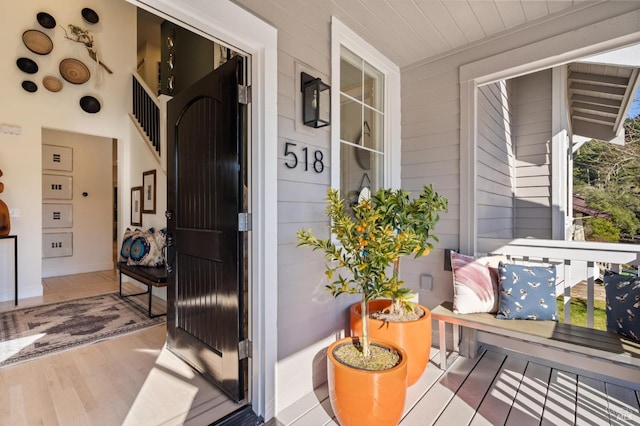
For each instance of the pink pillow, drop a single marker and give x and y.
(475, 283)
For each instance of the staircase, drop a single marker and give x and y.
(149, 117)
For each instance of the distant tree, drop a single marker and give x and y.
(608, 176)
(599, 229)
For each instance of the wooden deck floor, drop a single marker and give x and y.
(495, 389)
(134, 380)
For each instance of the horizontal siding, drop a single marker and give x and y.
(494, 181)
(532, 148)
(305, 308)
(430, 94)
(431, 155)
(431, 141)
(498, 199)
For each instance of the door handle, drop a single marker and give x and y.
(170, 253)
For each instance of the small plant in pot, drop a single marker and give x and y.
(396, 319)
(413, 222)
(367, 378)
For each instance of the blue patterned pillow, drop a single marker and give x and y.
(125, 249)
(527, 292)
(623, 304)
(145, 251)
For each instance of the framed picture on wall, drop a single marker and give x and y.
(136, 206)
(57, 187)
(57, 158)
(149, 192)
(57, 245)
(57, 215)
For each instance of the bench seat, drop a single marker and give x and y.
(151, 277)
(586, 341)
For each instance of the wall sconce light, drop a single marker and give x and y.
(316, 101)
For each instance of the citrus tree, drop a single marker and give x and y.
(366, 243)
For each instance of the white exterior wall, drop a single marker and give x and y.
(439, 104)
(533, 155)
(308, 316)
(496, 181)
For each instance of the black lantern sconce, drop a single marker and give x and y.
(316, 101)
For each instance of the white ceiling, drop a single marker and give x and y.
(408, 31)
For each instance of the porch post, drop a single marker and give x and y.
(560, 189)
(468, 148)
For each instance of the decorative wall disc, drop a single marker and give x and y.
(52, 84)
(74, 71)
(37, 42)
(46, 20)
(90, 15)
(90, 104)
(27, 65)
(29, 86)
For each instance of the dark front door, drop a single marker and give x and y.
(205, 322)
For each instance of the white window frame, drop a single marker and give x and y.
(341, 35)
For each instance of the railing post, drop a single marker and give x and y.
(146, 110)
(567, 291)
(590, 294)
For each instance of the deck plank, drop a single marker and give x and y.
(438, 396)
(320, 414)
(623, 406)
(560, 407)
(430, 376)
(592, 406)
(496, 405)
(306, 403)
(504, 388)
(529, 403)
(462, 407)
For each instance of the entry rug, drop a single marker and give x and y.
(30, 333)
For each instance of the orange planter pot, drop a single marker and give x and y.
(362, 397)
(412, 336)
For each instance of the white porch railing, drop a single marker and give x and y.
(575, 261)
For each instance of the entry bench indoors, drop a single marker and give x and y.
(593, 343)
(151, 277)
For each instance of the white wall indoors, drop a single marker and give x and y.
(92, 214)
(20, 155)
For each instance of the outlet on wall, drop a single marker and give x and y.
(14, 212)
(426, 282)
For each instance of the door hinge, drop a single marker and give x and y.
(245, 349)
(244, 94)
(244, 222)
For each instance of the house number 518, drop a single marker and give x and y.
(292, 158)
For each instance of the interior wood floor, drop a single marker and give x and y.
(128, 380)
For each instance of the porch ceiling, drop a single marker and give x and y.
(409, 31)
(599, 97)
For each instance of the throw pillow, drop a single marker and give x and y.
(125, 249)
(622, 293)
(475, 287)
(145, 251)
(161, 237)
(527, 292)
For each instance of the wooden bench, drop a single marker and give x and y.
(151, 277)
(593, 343)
